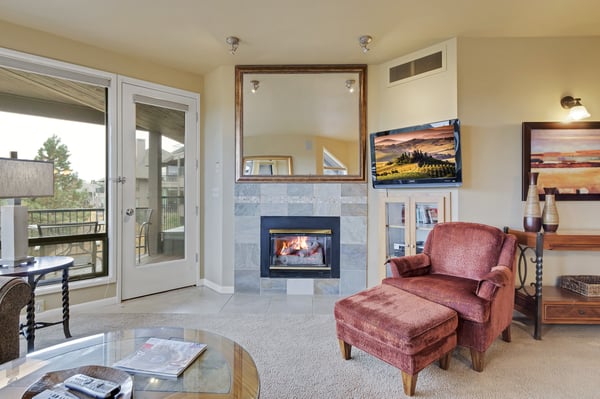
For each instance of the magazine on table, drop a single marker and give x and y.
(161, 357)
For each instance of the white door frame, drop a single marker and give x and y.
(124, 239)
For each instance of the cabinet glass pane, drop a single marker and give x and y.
(395, 212)
(426, 213)
(396, 242)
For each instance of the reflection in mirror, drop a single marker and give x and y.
(313, 115)
(267, 166)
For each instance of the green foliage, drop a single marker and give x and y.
(67, 184)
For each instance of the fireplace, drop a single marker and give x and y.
(300, 247)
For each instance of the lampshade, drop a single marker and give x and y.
(20, 178)
(578, 112)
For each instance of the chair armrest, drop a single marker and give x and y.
(499, 276)
(410, 266)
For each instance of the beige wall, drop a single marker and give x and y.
(502, 83)
(35, 42)
(218, 177)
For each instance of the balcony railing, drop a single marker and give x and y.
(81, 234)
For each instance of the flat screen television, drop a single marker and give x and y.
(417, 156)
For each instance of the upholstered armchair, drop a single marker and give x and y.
(467, 267)
(14, 294)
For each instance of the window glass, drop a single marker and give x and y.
(49, 118)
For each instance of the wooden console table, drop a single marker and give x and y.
(556, 305)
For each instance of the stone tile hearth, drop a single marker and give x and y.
(348, 201)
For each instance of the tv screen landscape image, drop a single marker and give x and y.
(425, 155)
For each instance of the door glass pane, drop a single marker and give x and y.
(159, 184)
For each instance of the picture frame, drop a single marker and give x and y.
(265, 165)
(566, 156)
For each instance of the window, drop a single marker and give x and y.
(331, 165)
(50, 113)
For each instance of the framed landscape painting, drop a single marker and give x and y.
(566, 156)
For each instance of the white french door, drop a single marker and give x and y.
(159, 184)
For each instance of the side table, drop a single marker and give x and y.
(556, 306)
(34, 272)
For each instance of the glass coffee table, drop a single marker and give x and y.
(225, 370)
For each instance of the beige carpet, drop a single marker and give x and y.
(298, 357)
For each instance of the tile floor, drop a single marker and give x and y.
(203, 300)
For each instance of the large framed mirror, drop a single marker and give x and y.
(313, 115)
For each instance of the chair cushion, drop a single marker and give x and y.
(398, 318)
(454, 292)
(464, 249)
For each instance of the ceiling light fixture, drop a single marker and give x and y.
(233, 42)
(255, 84)
(350, 85)
(576, 110)
(364, 41)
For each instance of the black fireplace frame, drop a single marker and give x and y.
(299, 222)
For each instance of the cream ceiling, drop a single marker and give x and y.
(190, 34)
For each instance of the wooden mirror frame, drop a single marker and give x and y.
(240, 70)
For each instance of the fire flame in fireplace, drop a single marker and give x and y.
(292, 246)
(298, 246)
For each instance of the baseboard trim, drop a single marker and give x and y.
(216, 287)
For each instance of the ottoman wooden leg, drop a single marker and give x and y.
(445, 361)
(345, 348)
(409, 382)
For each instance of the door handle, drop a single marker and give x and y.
(129, 211)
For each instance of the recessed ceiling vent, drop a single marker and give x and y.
(417, 68)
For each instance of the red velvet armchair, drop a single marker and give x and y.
(468, 267)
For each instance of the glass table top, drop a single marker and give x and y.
(224, 370)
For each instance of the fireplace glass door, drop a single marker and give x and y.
(303, 249)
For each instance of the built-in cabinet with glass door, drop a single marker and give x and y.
(407, 220)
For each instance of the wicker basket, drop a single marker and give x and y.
(584, 285)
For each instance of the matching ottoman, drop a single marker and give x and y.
(397, 327)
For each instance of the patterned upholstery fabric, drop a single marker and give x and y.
(468, 267)
(14, 295)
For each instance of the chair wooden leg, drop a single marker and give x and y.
(506, 335)
(445, 361)
(478, 359)
(409, 383)
(345, 348)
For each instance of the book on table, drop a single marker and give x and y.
(161, 357)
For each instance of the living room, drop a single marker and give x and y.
(500, 82)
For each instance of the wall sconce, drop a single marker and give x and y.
(233, 42)
(20, 179)
(350, 85)
(364, 41)
(576, 110)
(254, 85)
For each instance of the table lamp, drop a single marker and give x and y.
(20, 178)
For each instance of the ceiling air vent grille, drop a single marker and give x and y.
(417, 68)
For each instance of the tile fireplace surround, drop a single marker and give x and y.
(348, 201)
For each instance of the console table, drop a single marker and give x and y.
(556, 305)
(34, 272)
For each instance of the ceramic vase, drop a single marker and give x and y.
(532, 216)
(550, 212)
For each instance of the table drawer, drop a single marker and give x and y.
(571, 313)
